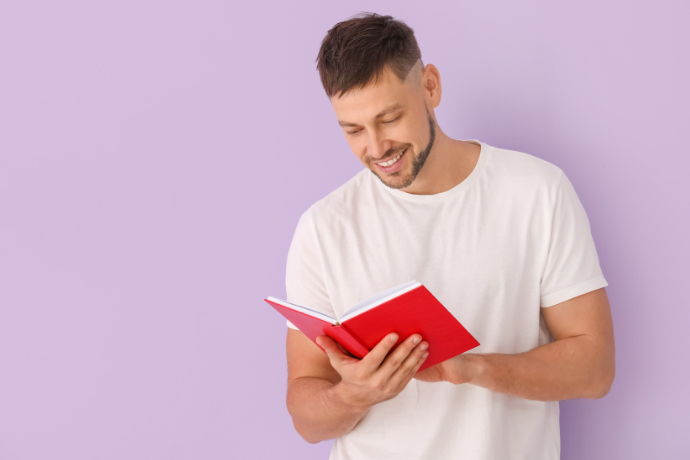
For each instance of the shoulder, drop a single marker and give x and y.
(519, 173)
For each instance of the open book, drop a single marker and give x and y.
(406, 309)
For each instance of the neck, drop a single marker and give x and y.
(449, 163)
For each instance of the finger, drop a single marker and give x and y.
(419, 364)
(375, 357)
(412, 374)
(411, 364)
(332, 349)
(398, 356)
(347, 353)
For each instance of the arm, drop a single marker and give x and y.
(580, 363)
(329, 393)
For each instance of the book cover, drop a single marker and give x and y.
(413, 309)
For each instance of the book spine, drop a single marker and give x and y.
(348, 340)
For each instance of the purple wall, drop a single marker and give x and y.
(155, 158)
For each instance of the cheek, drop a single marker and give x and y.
(421, 134)
(406, 133)
(357, 146)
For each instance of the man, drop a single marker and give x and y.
(498, 236)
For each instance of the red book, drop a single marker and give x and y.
(406, 309)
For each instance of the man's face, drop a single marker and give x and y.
(388, 122)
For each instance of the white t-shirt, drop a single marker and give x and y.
(510, 239)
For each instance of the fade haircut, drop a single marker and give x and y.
(355, 52)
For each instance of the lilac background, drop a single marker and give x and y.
(155, 158)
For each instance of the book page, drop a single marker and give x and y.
(378, 299)
(305, 310)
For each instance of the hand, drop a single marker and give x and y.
(456, 370)
(378, 376)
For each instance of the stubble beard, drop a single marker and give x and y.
(417, 162)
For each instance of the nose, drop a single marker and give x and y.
(377, 147)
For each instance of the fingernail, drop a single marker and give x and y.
(425, 355)
(416, 340)
(424, 346)
(393, 337)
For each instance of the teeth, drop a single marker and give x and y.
(390, 162)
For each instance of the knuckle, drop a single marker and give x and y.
(378, 385)
(408, 368)
(359, 375)
(387, 348)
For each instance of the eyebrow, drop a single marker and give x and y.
(383, 113)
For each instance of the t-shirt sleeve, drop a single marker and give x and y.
(304, 280)
(572, 264)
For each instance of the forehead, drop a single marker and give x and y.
(368, 102)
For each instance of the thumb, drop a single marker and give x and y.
(331, 348)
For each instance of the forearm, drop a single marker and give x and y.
(574, 367)
(317, 410)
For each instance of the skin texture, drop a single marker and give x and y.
(329, 393)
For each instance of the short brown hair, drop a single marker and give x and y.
(356, 51)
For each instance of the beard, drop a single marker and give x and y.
(397, 181)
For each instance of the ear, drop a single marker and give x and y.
(431, 85)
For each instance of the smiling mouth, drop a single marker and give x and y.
(392, 161)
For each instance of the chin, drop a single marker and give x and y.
(396, 180)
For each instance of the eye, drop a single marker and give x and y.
(353, 132)
(391, 121)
